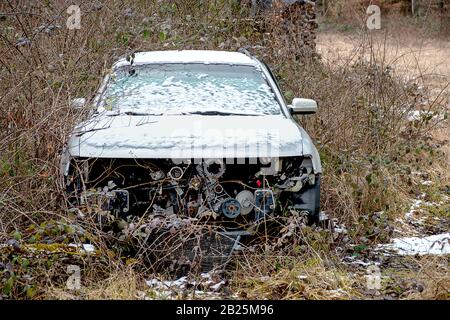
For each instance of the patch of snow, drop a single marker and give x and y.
(413, 208)
(422, 115)
(336, 293)
(180, 89)
(216, 287)
(434, 245)
(408, 228)
(352, 260)
(338, 228)
(188, 56)
(323, 216)
(414, 217)
(341, 229)
(172, 288)
(416, 205)
(418, 115)
(187, 137)
(179, 283)
(86, 247)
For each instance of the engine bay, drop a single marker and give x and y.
(234, 194)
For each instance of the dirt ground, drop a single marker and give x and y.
(412, 56)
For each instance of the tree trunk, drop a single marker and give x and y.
(414, 6)
(445, 19)
(441, 6)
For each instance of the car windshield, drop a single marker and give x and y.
(210, 89)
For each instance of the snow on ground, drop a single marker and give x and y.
(418, 244)
(85, 247)
(435, 245)
(204, 286)
(415, 206)
(360, 262)
(340, 228)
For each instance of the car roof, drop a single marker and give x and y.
(189, 56)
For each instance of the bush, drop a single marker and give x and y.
(367, 142)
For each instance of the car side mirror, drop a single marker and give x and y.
(78, 103)
(303, 106)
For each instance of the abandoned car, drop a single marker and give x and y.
(201, 134)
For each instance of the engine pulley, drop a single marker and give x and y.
(247, 201)
(231, 208)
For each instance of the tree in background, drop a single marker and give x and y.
(414, 7)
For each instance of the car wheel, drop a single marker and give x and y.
(309, 200)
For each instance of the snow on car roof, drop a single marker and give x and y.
(188, 56)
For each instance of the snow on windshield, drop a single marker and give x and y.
(184, 88)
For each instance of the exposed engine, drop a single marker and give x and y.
(235, 195)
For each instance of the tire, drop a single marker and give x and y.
(309, 200)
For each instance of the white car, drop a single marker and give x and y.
(204, 134)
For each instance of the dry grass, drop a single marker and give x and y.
(429, 20)
(365, 139)
(411, 56)
(122, 284)
(417, 278)
(305, 279)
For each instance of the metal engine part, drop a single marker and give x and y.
(120, 201)
(213, 168)
(206, 212)
(115, 201)
(203, 189)
(264, 202)
(195, 183)
(217, 204)
(192, 207)
(218, 189)
(157, 175)
(176, 173)
(247, 201)
(231, 208)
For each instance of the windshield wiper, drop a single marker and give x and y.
(206, 113)
(133, 113)
(222, 113)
